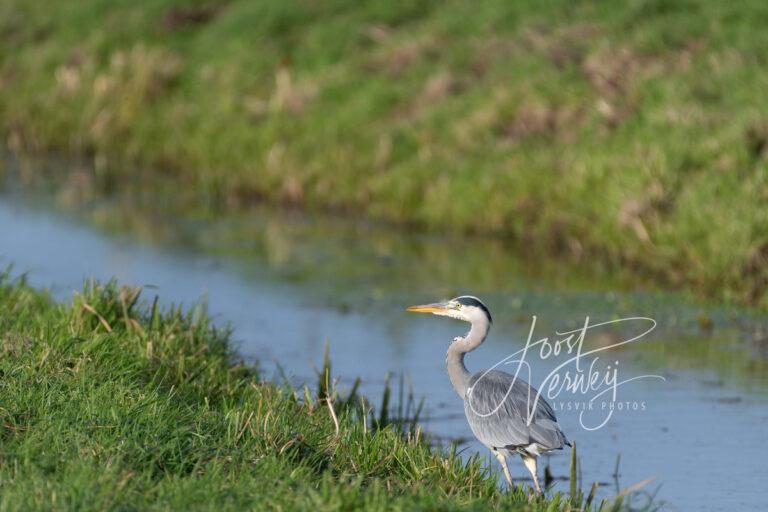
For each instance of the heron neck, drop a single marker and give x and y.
(454, 359)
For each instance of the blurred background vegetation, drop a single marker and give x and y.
(632, 134)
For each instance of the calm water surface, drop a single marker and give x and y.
(287, 283)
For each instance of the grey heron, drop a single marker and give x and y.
(502, 410)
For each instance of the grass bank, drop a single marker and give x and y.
(631, 133)
(110, 403)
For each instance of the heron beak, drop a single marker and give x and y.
(437, 307)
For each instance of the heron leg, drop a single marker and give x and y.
(530, 463)
(503, 461)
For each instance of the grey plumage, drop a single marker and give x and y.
(503, 412)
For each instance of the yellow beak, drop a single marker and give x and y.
(428, 308)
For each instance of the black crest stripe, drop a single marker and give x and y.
(468, 300)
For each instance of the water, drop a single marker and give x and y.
(287, 283)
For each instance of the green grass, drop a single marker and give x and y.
(108, 402)
(633, 133)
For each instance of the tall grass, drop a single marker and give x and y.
(111, 402)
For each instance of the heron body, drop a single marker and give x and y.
(498, 407)
(505, 413)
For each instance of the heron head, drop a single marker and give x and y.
(466, 308)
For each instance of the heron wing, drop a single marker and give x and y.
(503, 412)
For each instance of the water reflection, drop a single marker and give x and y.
(287, 282)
